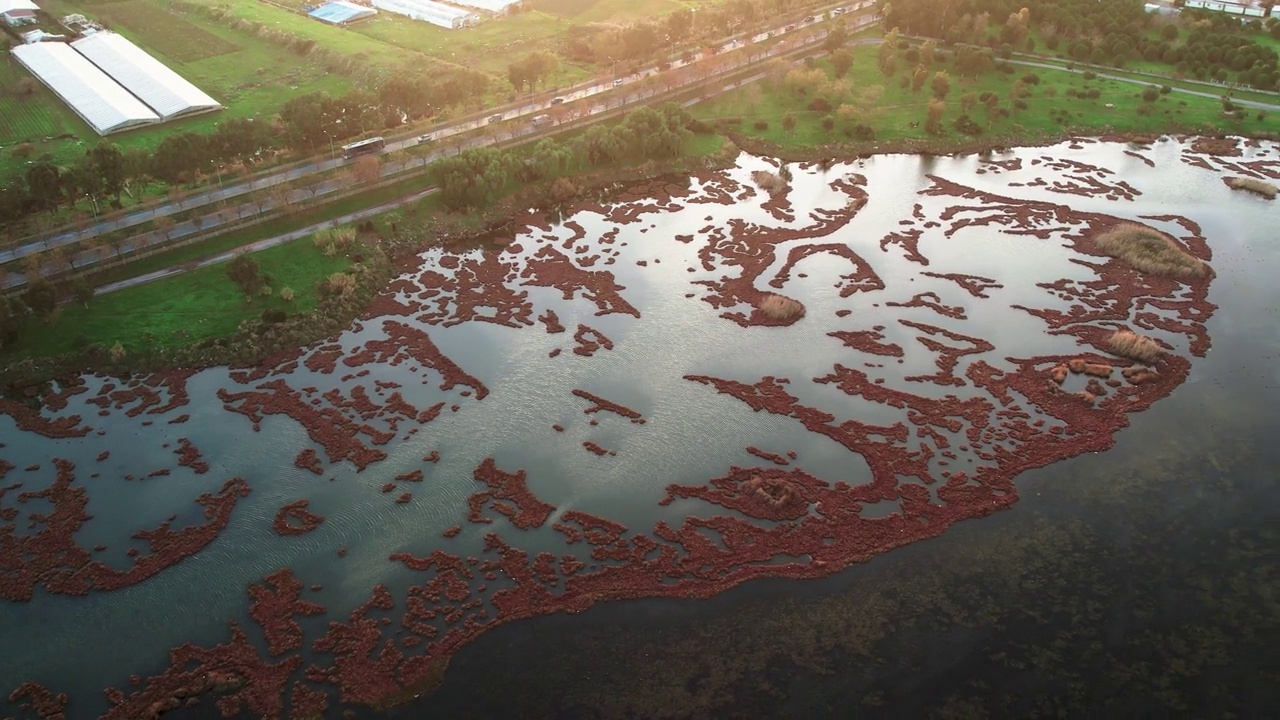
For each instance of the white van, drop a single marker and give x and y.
(541, 120)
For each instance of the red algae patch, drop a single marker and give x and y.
(599, 404)
(308, 460)
(274, 604)
(295, 519)
(509, 495)
(50, 557)
(596, 449)
(589, 341)
(34, 697)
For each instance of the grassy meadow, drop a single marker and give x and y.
(1050, 110)
(183, 309)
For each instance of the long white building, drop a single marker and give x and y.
(91, 93)
(164, 90)
(493, 6)
(435, 13)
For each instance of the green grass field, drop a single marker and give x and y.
(898, 108)
(183, 309)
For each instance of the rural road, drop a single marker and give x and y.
(623, 87)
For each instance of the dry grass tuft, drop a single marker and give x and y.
(779, 307)
(772, 183)
(1148, 251)
(1253, 185)
(1129, 344)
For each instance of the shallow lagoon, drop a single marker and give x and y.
(691, 433)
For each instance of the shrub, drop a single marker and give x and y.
(1031, 79)
(819, 105)
(770, 182)
(1148, 251)
(966, 125)
(1165, 89)
(272, 316)
(342, 284)
(116, 353)
(1129, 344)
(1094, 93)
(1150, 94)
(863, 131)
(22, 151)
(286, 294)
(1089, 75)
(780, 307)
(828, 123)
(760, 125)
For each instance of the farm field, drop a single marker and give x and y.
(249, 75)
(897, 109)
(31, 117)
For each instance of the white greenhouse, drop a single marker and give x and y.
(91, 93)
(493, 6)
(164, 90)
(429, 11)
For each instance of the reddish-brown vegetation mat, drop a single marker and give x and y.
(49, 556)
(295, 519)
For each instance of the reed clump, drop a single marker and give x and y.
(779, 307)
(1148, 251)
(770, 182)
(1254, 185)
(1129, 344)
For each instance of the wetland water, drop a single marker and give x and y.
(914, 393)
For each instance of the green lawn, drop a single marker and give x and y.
(183, 309)
(898, 108)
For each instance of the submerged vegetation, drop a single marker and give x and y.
(1148, 251)
(1127, 343)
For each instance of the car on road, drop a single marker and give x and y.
(617, 83)
(789, 28)
(424, 138)
(557, 100)
(541, 120)
(496, 118)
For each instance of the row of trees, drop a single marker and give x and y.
(1114, 33)
(477, 177)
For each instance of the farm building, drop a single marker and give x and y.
(429, 11)
(164, 90)
(340, 12)
(91, 93)
(18, 12)
(493, 6)
(1227, 7)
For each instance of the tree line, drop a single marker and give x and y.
(305, 124)
(477, 177)
(1217, 46)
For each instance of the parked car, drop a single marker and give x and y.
(557, 100)
(540, 120)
